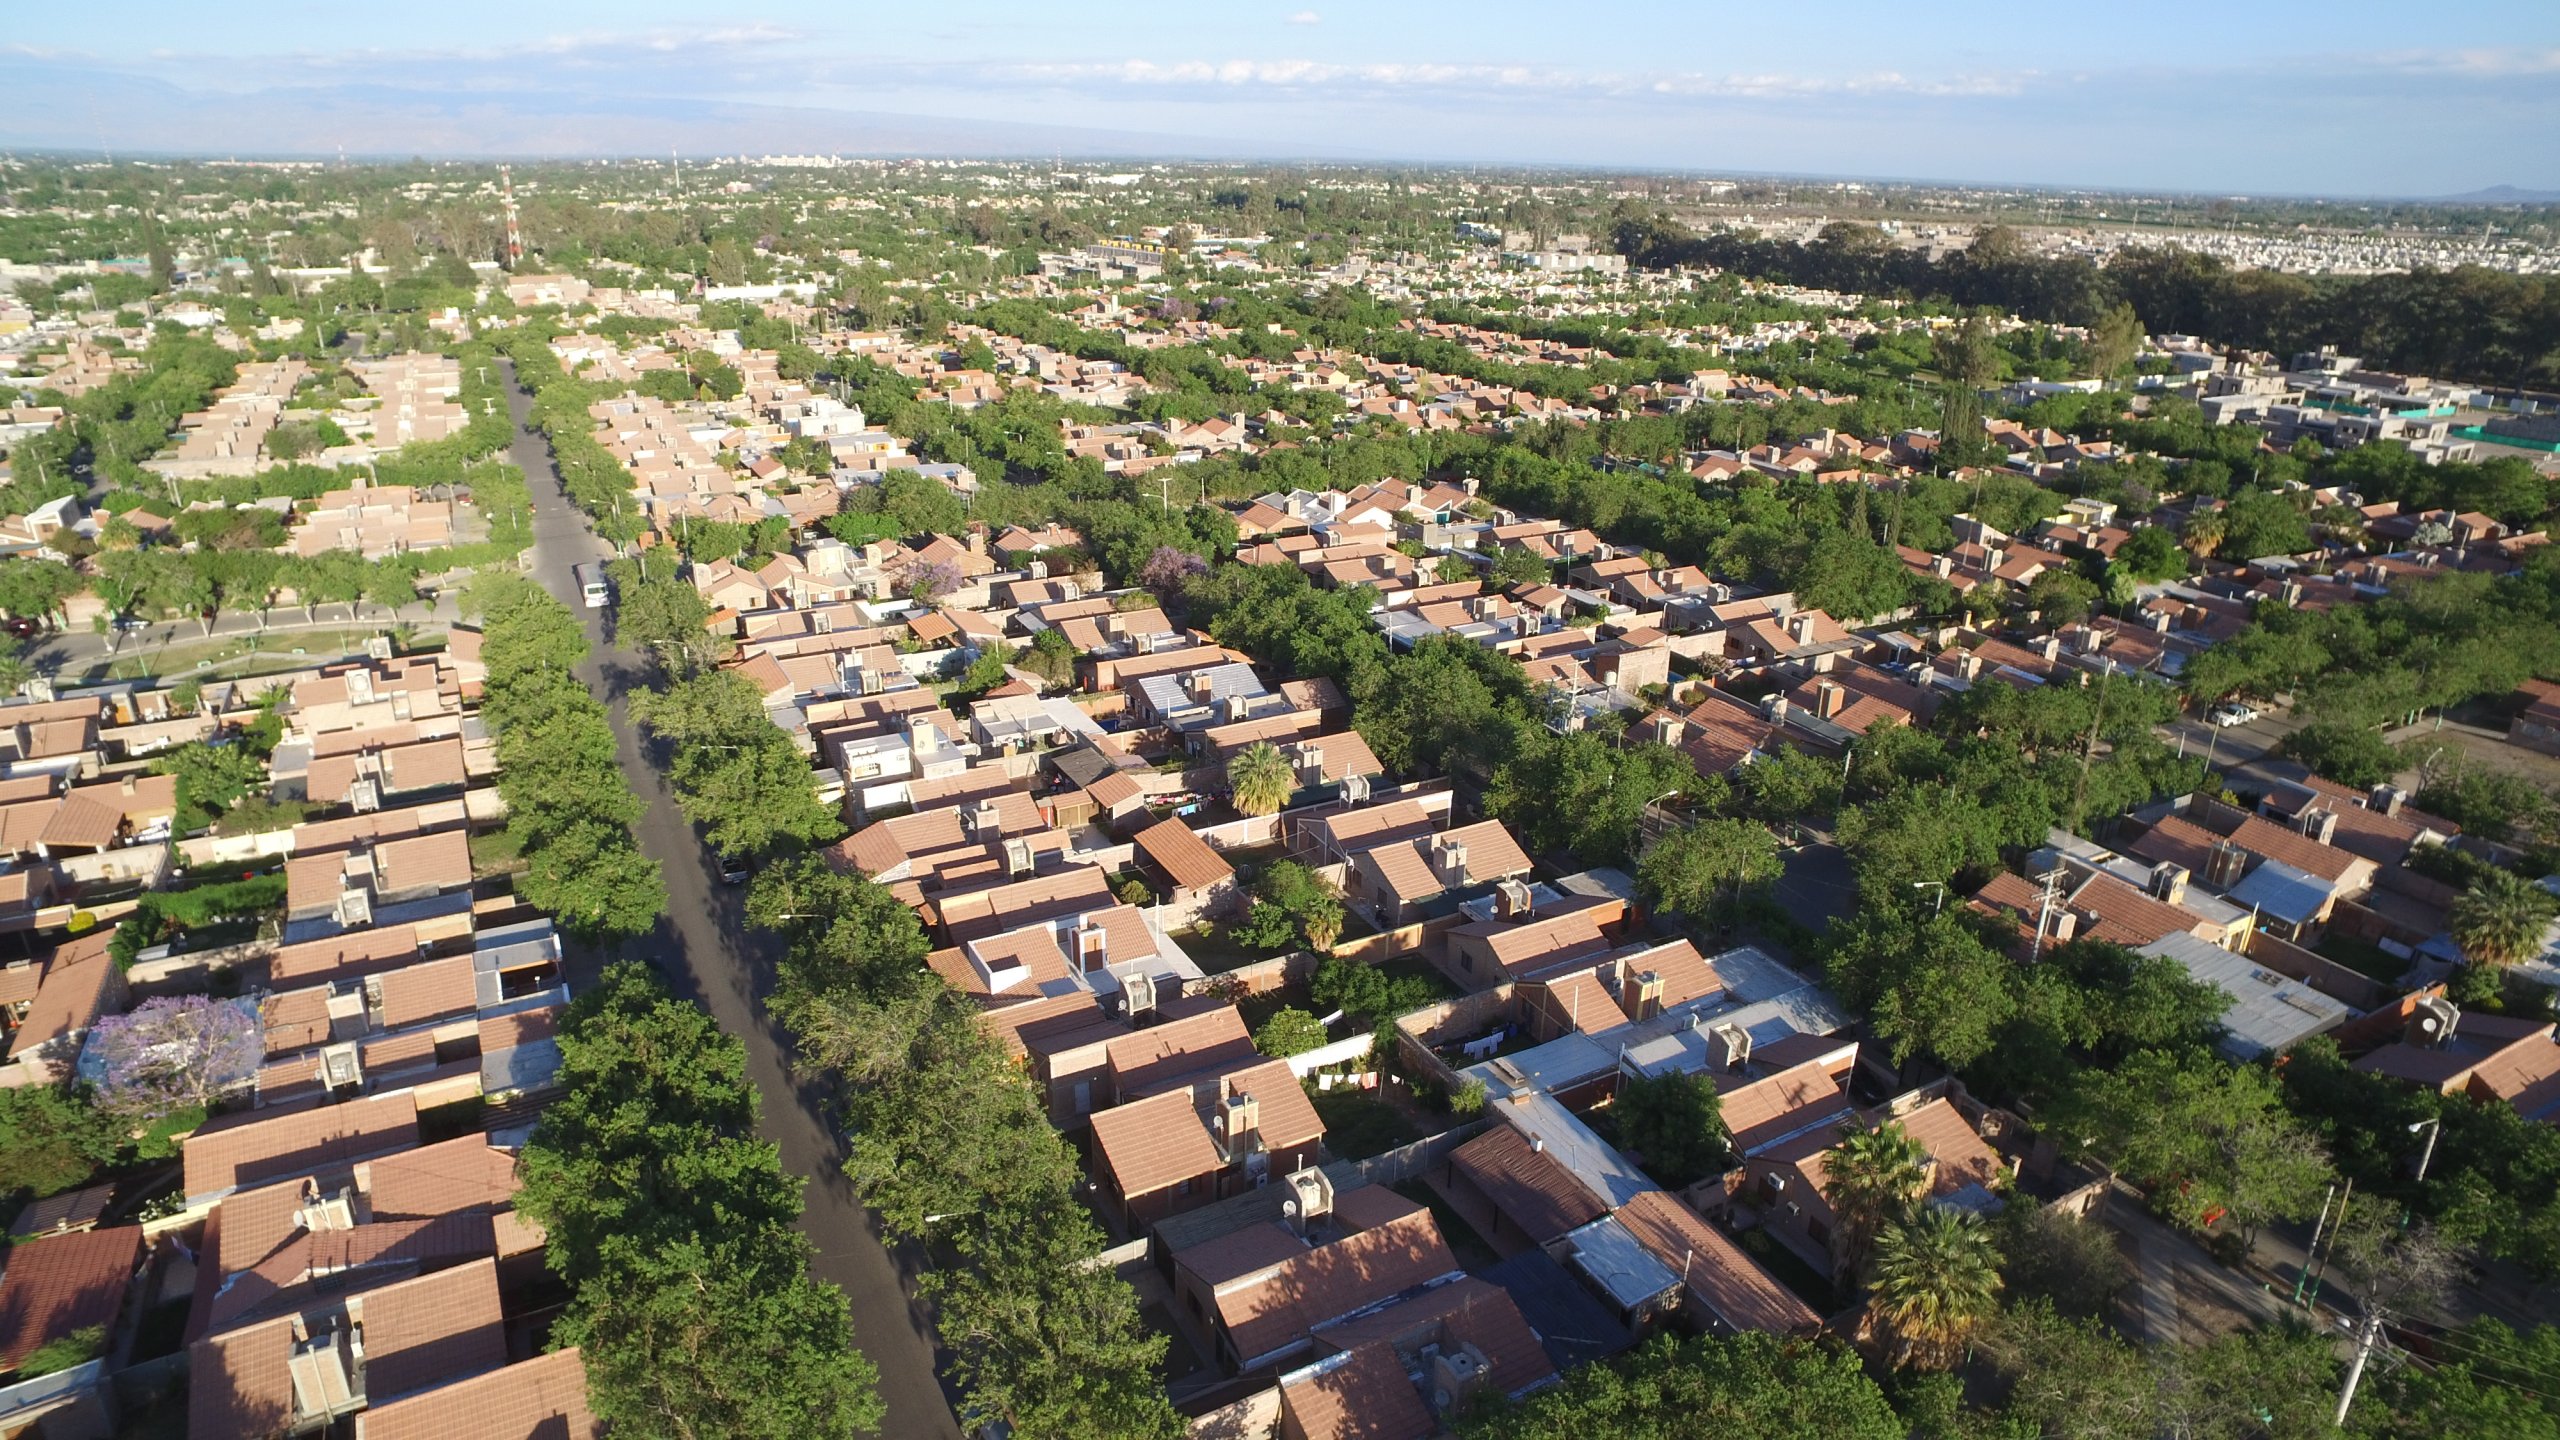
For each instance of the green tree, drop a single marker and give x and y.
(1752, 1384)
(2151, 553)
(1513, 565)
(1676, 1123)
(2206, 1137)
(1931, 985)
(1714, 860)
(1290, 1031)
(2113, 342)
(675, 1229)
(50, 1141)
(2501, 919)
(1261, 778)
(735, 773)
(211, 779)
(1876, 1174)
(1936, 1284)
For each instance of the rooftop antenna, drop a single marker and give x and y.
(515, 237)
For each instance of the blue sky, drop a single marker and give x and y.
(2346, 98)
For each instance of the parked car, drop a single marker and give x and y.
(20, 626)
(733, 869)
(2233, 712)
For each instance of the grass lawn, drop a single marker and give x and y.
(1260, 1007)
(2363, 956)
(238, 655)
(1358, 1125)
(1219, 953)
(1414, 967)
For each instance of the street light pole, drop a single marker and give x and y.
(1940, 886)
(2434, 1127)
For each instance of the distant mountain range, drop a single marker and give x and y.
(2502, 195)
(47, 107)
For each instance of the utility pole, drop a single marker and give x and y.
(2368, 1334)
(2044, 912)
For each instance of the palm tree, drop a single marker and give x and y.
(2500, 920)
(1261, 779)
(1870, 1179)
(1937, 1281)
(2203, 532)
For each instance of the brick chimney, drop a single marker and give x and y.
(1449, 860)
(1827, 697)
(1093, 946)
(1239, 1123)
(1640, 994)
(2321, 824)
(2169, 883)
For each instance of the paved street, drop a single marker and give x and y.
(707, 955)
(2233, 745)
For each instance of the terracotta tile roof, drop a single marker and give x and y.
(1763, 1111)
(1559, 935)
(1962, 1158)
(421, 1331)
(1718, 1274)
(518, 1027)
(1184, 855)
(1362, 1394)
(544, 1398)
(438, 861)
(1050, 1024)
(1408, 870)
(1370, 825)
(1286, 1118)
(463, 1173)
(296, 1020)
(1239, 1253)
(2526, 1075)
(2172, 840)
(64, 1284)
(1530, 1188)
(83, 822)
(77, 982)
(979, 913)
(428, 990)
(2125, 916)
(1146, 1060)
(1266, 1314)
(416, 1333)
(288, 1275)
(268, 1146)
(1585, 1001)
(1464, 1311)
(2266, 838)
(1155, 1143)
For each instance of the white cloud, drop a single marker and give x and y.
(1317, 74)
(1306, 17)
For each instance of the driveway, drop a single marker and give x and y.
(706, 954)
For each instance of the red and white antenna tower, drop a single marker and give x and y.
(515, 238)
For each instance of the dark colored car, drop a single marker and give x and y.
(733, 869)
(20, 626)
